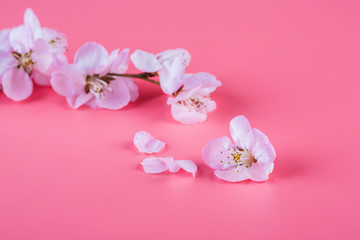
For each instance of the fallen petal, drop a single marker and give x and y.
(146, 143)
(187, 165)
(156, 164)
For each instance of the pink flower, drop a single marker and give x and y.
(192, 102)
(252, 156)
(87, 80)
(26, 54)
(146, 143)
(54, 38)
(170, 66)
(159, 165)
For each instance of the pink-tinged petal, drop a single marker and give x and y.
(171, 75)
(116, 98)
(105, 67)
(17, 84)
(262, 150)
(259, 172)
(90, 56)
(217, 155)
(183, 95)
(20, 39)
(207, 81)
(187, 165)
(156, 164)
(121, 63)
(42, 55)
(32, 23)
(233, 174)
(68, 81)
(146, 143)
(171, 54)
(77, 100)
(187, 115)
(133, 89)
(145, 61)
(40, 78)
(56, 40)
(6, 62)
(4, 40)
(241, 132)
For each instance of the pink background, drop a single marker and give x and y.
(291, 67)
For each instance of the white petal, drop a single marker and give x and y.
(90, 56)
(146, 143)
(207, 81)
(241, 132)
(233, 174)
(4, 40)
(259, 172)
(42, 55)
(217, 153)
(171, 54)
(145, 61)
(187, 115)
(187, 165)
(156, 164)
(20, 39)
(6, 61)
(171, 75)
(262, 150)
(32, 23)
(56, 40)
(121, 63)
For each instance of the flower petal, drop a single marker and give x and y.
(116, 98)
(187, 165)
(40, 78)
(233, 174)
(42, 55)
(241, 132)
(187, 115)
(77, 100)
(20, 39)
(216, 153)
(90, 56)
(56, 40)
(68, 81)
(133, 89)
(262, 150)
(183, 95)
(207, 81)
(4, 40)
(171, 75)
(32, 23)
(146, 143)
(259, 172)
(171, 54)
(6, 61)
(156, 164)
(17, 84)
(145, 61)
(121, 63)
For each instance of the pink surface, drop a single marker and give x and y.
(291, 67)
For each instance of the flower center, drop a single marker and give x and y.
(197, 102)
(24, 61)
(241, 157)
(58, 43)
(97, 84)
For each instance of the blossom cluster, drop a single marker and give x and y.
(30, 54)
